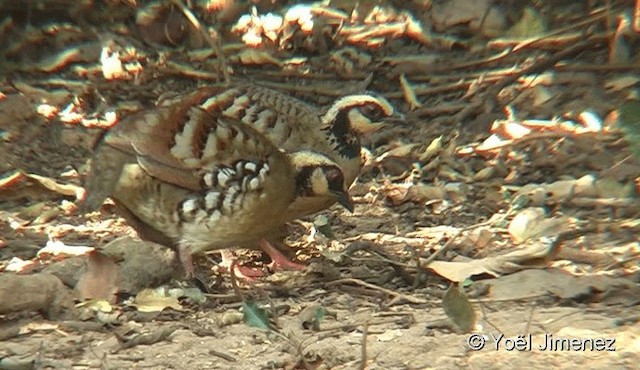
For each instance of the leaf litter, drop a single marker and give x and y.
(517, 170)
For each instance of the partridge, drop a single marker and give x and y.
(292, 124)
(197, 181)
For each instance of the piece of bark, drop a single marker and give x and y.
(39, 292)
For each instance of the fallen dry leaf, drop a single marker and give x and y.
(155, 300)
(534, 255)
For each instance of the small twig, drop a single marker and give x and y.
(528, 327)
(518, 299)
(144, 339)
(426, 261)
(392, 293)
(282, 75)
(562, 317)
(605, 173)
(440, 110)
(223, 356)
(546, 63)
(215, 45)
(363, 347)
(377, 251)
(234, 282)
(311, 90)
(621, 67)
(489, 97)
(486, 318)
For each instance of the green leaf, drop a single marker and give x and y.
(255, 316)
(630, 124)
(458, 308)
(467, 283)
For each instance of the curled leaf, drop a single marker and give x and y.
(458, 308)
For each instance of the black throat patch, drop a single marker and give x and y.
(342, 138)
(303, 185)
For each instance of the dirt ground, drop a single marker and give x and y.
(514, 177)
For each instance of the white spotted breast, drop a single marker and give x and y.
(202, 180)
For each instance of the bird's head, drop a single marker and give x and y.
(361, 113)
(319, 176)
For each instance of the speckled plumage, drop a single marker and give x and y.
(292, 124)
(199, 181)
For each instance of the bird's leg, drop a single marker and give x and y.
(279, 260)
(184, 254)
(243, 272)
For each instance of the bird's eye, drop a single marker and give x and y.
(335, 178)
(372, 111)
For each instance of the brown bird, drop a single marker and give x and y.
(292, 124)
(197, 181)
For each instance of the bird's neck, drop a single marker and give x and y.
(341, 137)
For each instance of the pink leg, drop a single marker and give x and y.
(279, 260)
(247, 273)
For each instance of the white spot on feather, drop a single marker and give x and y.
(239, 137)
(189, 206)
(250, 114)
(223, 133)
(215, 216)
(213, 102)
(235, 110)
(228, 203)
(254, 183)
(208, 179)
(211, 199)
(263, 171)
(224, 175)
(210, 148)
(251, 167)
(183, 148)
(263, 118)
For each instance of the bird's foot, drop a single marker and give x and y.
(279, 261)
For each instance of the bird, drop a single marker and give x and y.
(198, 181)
(292, 124)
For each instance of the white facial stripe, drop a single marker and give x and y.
(357, 119)
(355, 100)
(319, 184)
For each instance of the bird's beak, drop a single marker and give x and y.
(395, 118)
(344, 199)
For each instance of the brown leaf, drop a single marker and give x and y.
(100, 279)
